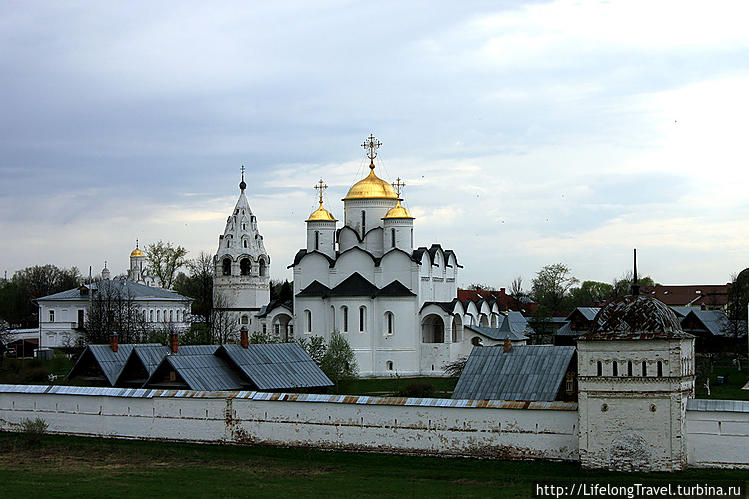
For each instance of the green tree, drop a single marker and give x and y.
(550, 286)
(590, 293)
(164, 260)
(622, 286)
(315, 347)
(281, 291)
(17, 294)
(339, 361)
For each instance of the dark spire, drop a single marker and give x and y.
(242, 185)
(635, 284)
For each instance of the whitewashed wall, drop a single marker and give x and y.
(502, 430)
(720, 437)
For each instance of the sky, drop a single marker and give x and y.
(527, 133)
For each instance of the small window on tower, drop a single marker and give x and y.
(245, 266)
(392, 238)
(363, 223)
(226, 266)
(317, 240)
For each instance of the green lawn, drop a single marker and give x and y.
(34, 371)
(734, 381)
(63, 466)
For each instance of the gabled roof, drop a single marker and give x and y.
(588, 312)
(315, 288)
(528, 373)
(276, 366)
(354, 285)
(716, 323)
(707, 294)
(270, 307)
(118, 289)
(682, 311)
(498, 333)
(395, 288)
(111, 363)
(202, 372)
(447, 306)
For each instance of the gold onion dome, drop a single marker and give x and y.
(136, 252)
(371, 187)
(321, 215)
(398, 211)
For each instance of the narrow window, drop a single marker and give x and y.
(389, 365)
(644, 369)
(178, 314)
(600, 368)
(158, 316)
(389, 319)
(245, 266)
(245, 319)
(245, 243)
(51, 316)
(344, 311)
(150, 316)
(412, 238)
(262, 267)
(363, 223)
(144, 316)
(615, 369)
(308, 320)
(570, 384)
(362, 319)
(171, 315)
(317, 240)
(660, 369)
(164, 315)
(629, 368)
(392, 238)
(264, 329)
(226, 266)
(244, 227)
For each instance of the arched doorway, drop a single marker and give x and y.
(432, 329)
(281, 329)
(457, 334)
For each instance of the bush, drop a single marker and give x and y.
(418, 389)
(33, 430)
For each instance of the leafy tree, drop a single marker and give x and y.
(164, 260)
(590, 293)
(281, 291)
(477, 286)
(623, 285)
(551, 284)
(17, 294)
(738, 296)
(197, 334)
(315, 347)
(339, 361)
(258, 337)
(198, 285)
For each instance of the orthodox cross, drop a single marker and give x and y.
(372, 144)
(242, 172)
(398, 186)
(321, 187)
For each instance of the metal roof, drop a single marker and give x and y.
(588, 312)
(499, 333)
(119, 288)
(111, 363)
(528, 373)
(203, 372)
(717, 323)
(712, 405)
(277, 366)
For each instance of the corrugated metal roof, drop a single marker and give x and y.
(528, 373)
(277, 366)
(205, 372)
(717, 323)
(712, 405)
(111, 363)
(498, 333)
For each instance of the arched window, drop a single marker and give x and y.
(412, 238)
(392, 238)
(308, 320)
(150, 316)
(164, 315)
(262, 267)
(644, 369)
(171, 316)
(158, 316)
(389, 365)
(599, 366)
(362, 319)
(244, 227)
(244, 242)
(363, 223)
(144, 316)
(389, 323)
(317, 240)
(244, 266)
(615, 369)
(344, 319)
(245, 319)
(226, 266)
(629, 368)
(660, 369)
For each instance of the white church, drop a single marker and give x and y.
(395, 304)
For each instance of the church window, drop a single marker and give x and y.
(164, 315)
(171, 315)
(599, 366)
(629, 368)
(177, 315)
(245, 266)
(226, 265)
(344, 313)
(144, 316)
(264, 329)
(644, 369)
(390, 321)
(317, 240)
(228, 243)
(308, 320)
(363, 222)
(362, 319)
(392, 238)
(389, 365)
(262, 267)
(277, 330)
(244, 243)
(150, 316)
(412, 238)
(660, 368)
(158, 316)
(245, 319)
(244, 227)
(615, 369)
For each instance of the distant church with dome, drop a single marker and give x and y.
(395, 304)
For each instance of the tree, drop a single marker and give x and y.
(17, 294)
(591, 293)
(455, 368)
(281, 291)
(198, 285)
(623, 285)
(551, 284)
(517, 293)
(164, 260)
(477, 286)
(224, 323)
(315, 347)
(339, 361)
(113, 310)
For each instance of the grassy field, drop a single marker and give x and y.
(62, 466)
(734, 381)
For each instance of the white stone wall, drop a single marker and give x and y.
(507, 430)
(718, 439)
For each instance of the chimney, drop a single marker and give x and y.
(507, 346)
(113, 344)
(174, 342)
(502, 290)
(244, 339)
(703, 306)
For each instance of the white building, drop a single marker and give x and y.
(635, 374)
(241, 277)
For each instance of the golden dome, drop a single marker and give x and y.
(371, 187)
(398, 211)
(136, 252)
(321, 215)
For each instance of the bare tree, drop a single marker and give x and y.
(224, 322)
(164, 260)
(114, 310)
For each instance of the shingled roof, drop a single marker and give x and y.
(528, 373)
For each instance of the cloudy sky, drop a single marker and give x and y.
(527, 133)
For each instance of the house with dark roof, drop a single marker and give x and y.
(714, 331)
(576, 323)
(708, 296)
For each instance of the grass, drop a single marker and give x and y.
(35, 371)
(734, 381)
(65, 466)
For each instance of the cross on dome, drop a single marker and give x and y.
(242, 184)
(398, 186)
(321, 186)
(372, 144)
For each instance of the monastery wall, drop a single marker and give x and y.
(544, 430)
(718, 433)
